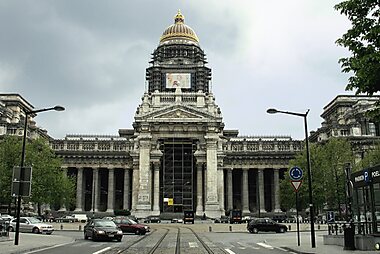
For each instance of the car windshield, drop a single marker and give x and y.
(105, 223)
(34, 220)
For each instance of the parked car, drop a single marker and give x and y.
(188, 217)
(265, 224)
(66, 218)
(222, 219)
(280, 218)
(80, 217)
(31, 224)
(6, 217)
(130, 226)
(152, 219)
(246, 219)
(100, 229)
(176, 220)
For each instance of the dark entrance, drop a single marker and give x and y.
(177, 176)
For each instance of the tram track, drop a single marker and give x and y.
(169, 242)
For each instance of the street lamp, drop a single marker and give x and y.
(311, 206)
(56, 108)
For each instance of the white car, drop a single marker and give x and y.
(31, 225)
(6, 217)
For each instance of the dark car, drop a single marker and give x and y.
(152, 219)
(280, 218)
(188, 217)
(128, 225)
(265, 224)
(100, 229)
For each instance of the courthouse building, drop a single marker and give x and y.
(178, 155)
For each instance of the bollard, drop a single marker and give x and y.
(290, 227)
(80, 227)
(209, 229)
(319, 227)
(230, 228)
(336, 229)
(61, 227)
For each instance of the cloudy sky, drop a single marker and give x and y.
(90, 56)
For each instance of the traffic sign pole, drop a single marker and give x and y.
(298, 221)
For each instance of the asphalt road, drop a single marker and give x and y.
(188, 242)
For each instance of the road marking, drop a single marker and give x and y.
(265, 245)
(247, 246)
(102, 250)
(279, 248)
(51, 247)
(230, 251)
(193, 245)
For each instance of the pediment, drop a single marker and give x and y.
(177, 113)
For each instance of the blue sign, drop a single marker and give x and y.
(330, 217)
(367, 178)
(295, 173)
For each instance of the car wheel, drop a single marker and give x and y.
(255, 230)
(10, 229)
(35, 230)
(85, 236)
(93, 237)
(282, 230)
(137, 232)
(118, 239)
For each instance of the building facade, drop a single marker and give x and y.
(346, 117)
(178, 156)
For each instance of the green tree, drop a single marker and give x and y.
(49, 184)
(363, 41)
(10, 155)
(327, 162)
(370, 159)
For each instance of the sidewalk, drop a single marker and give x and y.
(30, 242)
(305, 247)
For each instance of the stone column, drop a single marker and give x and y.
(144, 204)
(156, 188)
(276, 190)
(126, 204)
(95, 189)
(135, 185)
(199, 208)
(221, 189)
(261, 190)
(111, 191)
(230, 204)
(212, 208)
(245, 193)
(63, 207)
(79, 200)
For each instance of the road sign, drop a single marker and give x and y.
(21, 181)
(296, 173)
(330, 217)
(296, 185)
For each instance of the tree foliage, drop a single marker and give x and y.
(363, 41)
(327, 170)
(372, 158)
(49, 184)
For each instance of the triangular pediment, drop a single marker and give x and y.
(178, 112)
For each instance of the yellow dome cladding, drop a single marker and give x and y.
(179, 30)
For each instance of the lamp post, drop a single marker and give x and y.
(311, 206)
(56, 108)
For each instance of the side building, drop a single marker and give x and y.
(346, 116)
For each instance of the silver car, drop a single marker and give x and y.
(31, 224)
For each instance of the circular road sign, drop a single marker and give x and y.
(295, 173)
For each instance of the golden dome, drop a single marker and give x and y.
(179, 31)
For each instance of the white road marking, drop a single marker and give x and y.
(230, 251)
(193, 245)
(279, 248)
(265, 246)
(247, 246)
(51, 247)
(102, 250)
